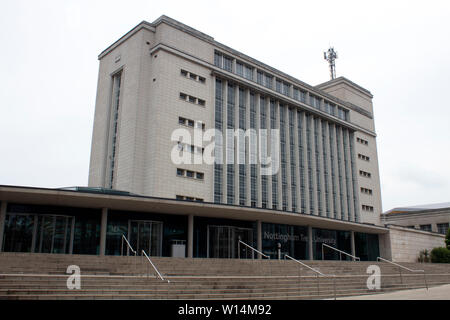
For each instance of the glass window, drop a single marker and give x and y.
(425, 227)
(248, 72)
(442, 228)
(278, 86)
(218, 59)
(286, 89)
(190, 174)
(268, 81)
(180, 172)
(227, 63)
(260, 77)
(199, 175)
(240, 69)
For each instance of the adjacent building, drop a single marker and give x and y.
(430, 217)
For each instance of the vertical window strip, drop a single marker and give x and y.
(292, 157)
(283, 157)
(117, 79)
(218, 169)
(273, 125)
(301, 155)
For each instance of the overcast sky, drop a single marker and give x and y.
(399, 50)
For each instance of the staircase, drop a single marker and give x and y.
(43, 276)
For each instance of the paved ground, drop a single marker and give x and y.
(434, 293)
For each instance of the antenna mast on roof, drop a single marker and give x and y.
(331, 56)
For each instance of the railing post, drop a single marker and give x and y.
(279, 251)
(239, 248)
(425, 279)
(401, 277)
(334, 285)
(323, 256)
(318, 286)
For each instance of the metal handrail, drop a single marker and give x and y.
(264, 255)
(406, 268)
(318, 274)
(128, 244)
(159, 274)
(398, 265)
(303, 264)
(340, 253)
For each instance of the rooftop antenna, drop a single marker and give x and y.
(331, 56)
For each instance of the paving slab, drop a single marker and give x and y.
(433, 293)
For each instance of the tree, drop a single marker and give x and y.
(447, 238)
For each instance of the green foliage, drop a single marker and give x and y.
(424, 256)
(447, 238)
(440, 255)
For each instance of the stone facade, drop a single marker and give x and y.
(150, 58)
(404, 244)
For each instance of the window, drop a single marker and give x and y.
(366, 191)
(268, 81)
(218, 59)
(367, 208)
(425, 227)
(192, 76)
(192, 99)
(365, 174)
(190, 174)
(442, 228)
(181, 120)
(362, 141)
(239, 69)
(190, 123)
(227, 63)
(199, 175)
(363, 157)
(248, 72)
(286, 87)
(278, 85)
(260, 77)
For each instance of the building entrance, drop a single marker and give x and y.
(223, 241)
(38, 233)
(146, 235)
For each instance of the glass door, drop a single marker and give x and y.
(54, 234)
(223, 241)
(147, 236)
(18, 233)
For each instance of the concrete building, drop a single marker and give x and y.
(163, 76)
(430, 217)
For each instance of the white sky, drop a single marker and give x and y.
(399, 50)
